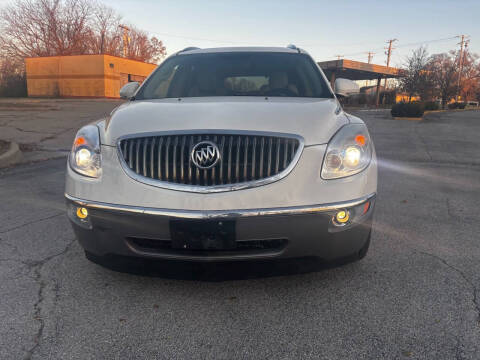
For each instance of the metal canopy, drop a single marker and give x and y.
(356, 70)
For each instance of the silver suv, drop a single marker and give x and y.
(226, 154)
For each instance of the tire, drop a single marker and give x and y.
(364, 250)
(92, 257)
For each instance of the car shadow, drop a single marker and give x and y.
(218, 271)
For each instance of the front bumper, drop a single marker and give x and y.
(287, 232)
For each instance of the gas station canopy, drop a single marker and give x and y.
(356, 70)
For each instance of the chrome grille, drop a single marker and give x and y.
(243, 158)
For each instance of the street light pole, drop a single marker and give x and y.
(126, 39)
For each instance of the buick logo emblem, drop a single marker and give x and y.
(205, 155)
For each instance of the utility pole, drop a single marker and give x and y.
(389, 54)
(339, 57)
(370, 57)
(463, 44)
(126, 39)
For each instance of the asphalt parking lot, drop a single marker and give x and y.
(415, 295)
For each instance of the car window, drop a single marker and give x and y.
(236, 74)
(245, 83)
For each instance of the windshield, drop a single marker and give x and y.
(236, 74)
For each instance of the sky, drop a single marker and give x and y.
(324, 28)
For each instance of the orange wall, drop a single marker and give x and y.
(42, 76)
(115, 77)
(81, 75)
(56, 76)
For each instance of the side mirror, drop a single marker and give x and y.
(345, 87)
(128, 90)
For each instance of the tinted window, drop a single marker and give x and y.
(236, 74)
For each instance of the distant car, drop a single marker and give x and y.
(226, 154)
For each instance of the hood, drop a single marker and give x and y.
(313, 119)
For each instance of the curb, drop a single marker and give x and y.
(431, 112)
(450, 110)
(408, 118)
(11, 156)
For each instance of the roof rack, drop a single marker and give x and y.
(188, 49)
(293, 47)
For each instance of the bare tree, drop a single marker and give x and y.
(30, 28)
(418, 80)
(443, 68)
(470, 75)
(142, 48)
(12, 78)
(45, 27)
(106, 38)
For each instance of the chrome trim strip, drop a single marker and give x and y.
(216, 188)
(214, 214)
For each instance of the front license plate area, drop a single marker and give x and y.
(203, 234)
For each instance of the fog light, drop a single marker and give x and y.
(342, 216)
(82, 212)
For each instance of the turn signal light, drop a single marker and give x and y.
(366, 207)
(79, 141)
(360, 139)
(82, 213)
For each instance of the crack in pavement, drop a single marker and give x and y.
(37, 276)
(31, 222)
(467, 280)
(54, 135)
(458, 350)
(449, 210)
(15, 261)
(415, 130)
(28, 131)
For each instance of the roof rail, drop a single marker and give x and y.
(188, 49)
(293, 47)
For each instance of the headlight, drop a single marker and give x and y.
(348, 152)
(85, 157)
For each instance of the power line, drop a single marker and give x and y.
(199, 38)
(361, 53)
(226, 41)
(426, 42)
